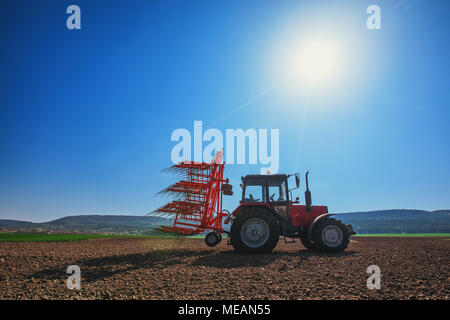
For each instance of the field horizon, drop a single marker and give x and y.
(398, 221)
(68, 237)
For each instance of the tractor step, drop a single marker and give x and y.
(287, 241)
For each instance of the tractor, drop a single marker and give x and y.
(267, 211)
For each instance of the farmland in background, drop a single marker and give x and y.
(371, 222)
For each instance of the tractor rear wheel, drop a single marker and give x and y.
(330, 235)
(255, 231)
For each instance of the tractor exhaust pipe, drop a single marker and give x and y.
(307, 194)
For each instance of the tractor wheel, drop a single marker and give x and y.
(330, 235)
(305, 242)
(255, 231)
(212, 239)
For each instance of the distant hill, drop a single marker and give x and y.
(382, 221)
(398, 221)
(121, 224)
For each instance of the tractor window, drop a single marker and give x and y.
(277, 192)
(254, 194)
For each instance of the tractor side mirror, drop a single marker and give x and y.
(227, 189)
(297, 181)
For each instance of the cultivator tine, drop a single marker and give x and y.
(197, 204)
(184, 189)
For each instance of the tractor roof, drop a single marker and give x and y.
(272, 177)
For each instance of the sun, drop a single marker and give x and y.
(315, 61)
(311, 62)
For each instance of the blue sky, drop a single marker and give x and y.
(86, 115)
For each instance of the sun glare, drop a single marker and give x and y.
(315, 61)
(311, 62)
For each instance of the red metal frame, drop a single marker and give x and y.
(199, 204)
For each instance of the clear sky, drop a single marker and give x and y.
(86, 115)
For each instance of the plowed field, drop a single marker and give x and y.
(122, 268)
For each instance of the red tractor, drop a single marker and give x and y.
(266, 212)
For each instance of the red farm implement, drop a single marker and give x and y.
(266, 210)
(198, 199)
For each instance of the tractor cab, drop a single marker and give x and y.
(264, 188)
(272, 190)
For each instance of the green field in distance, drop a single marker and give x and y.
(42, 237)
(403, 235)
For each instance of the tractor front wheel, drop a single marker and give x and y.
(255, 231)
(330, 235)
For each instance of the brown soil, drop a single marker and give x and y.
(412, 268)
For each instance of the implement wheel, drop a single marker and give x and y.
(212, 239)
(255, 231)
